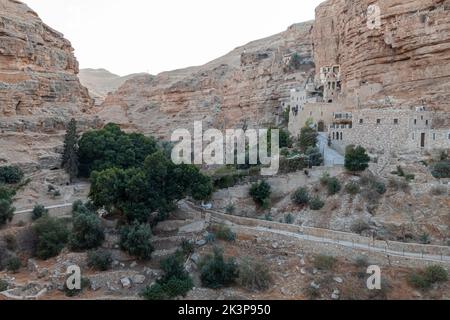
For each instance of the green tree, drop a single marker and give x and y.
(216, 272)
(308, 138)
(10, 175)
(38, 212)
(6, 211)
(356, 159)
(301, 196)
(52, 235)
(87, 232)
(70, 155)
(136, 240)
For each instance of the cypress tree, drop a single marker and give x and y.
(70, 156)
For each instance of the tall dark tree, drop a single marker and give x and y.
(70, 156)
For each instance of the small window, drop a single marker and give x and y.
(415, 121)
(395, 121)
(449, 136)
(341, 136)
(434, 136)
(378, 121)
(361, 121)
(426, 122)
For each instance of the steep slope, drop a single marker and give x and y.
(100, 82)
(243, 86)
(39, 88)
(404, 61)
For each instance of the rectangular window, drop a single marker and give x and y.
(415, 121)
(426, 122)
(361, 121)
(434, 136)
(395, 121)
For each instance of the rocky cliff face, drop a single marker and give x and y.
(39, 88)
(38, 71)
(243, 86)
(404, 61)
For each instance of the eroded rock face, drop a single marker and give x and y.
(406, 59)
(242, 86)
(38, 71)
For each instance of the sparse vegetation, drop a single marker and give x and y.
(13, 264)
(3, 285)
(441, 170)
(324, 262)
(187, 247)
(307, 139)
(230, 208)
(254, 275)
(333, 186)
(224, 232)
(100, 259)
(135, 239)
(360, 226)
(289, 218)
(352, 188)
(217, 272)
(425, 279)
(6, 208)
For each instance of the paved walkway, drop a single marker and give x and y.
(331, 156)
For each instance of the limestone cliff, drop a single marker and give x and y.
(404, 61)
(243, 86)
(38, 70)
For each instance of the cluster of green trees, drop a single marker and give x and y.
(6, 207)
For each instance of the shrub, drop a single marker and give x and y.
(360, 226)
(11, 242)
(155, 292)
(52, 235)
(399, 184)
(352, 188)
(356, 159)
(216, 272)
(10, 175)
(100, 259)
(254, 275)
(6, 211)
(314, 156)
(230, 208)
(135, 239)
(307, 139)
(3, 285)
(324, 178)
(38, 211)
(87, 232)
(260, 192)
(187, 247)
(441, 170)
(289, 219)
(223, 232)
(379, 187)
(333, 186)
(418, 281)
(362, 262)
(425, 238)
(13, 264)
(426, 278)
(316, 204)
(301, 196)
(293, 164)
(323, 262)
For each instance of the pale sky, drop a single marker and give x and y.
(129, 36)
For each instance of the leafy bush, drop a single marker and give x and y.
(100, 259)
(352, 188)
(230, 208)
(10, 175)
(324, 178)
(52, 235)
(6, 211)
(362, 262)
(187, 247)
(399, 184)
(289, 219)
(301, 196)
(87, 232)
(260, 192)
(316, 204)
(333, 186)
(428, 277)
(307, 139)
(11, 242)
(425, 238)
(223, 232)
(254, 275)
(175, 282)
(360, 226)
(356, 159)
(292, 164)
(13, 264)
(379, 187)
(38, 211)
(135, 239)
(314, 156)
(441, 170)
(323, 262)
(216, 272)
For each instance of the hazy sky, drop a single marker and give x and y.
(128, 36)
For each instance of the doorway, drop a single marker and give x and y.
(422, 140)
(321, 126)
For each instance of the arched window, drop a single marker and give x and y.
(341, 136)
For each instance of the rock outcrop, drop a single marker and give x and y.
(242, 87)
(39, 89)
(402, 59)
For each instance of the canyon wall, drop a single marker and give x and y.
(241, 88)
(402, 59)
